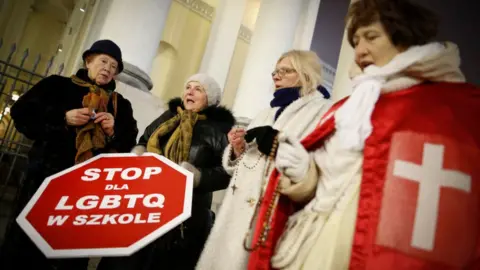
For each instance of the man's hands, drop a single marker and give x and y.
(264, 136)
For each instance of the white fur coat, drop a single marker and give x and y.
(224, 248)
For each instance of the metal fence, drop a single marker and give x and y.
(19, 71)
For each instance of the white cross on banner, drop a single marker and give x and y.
(432, 177)
(430, 198)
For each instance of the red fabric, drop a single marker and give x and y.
(260, 258)
(434, 125)
(441, 115)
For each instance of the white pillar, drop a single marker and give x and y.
(342, 86)
(223, 37)
(274, 34)
(219, 52)
(306, 26)
(136, 26)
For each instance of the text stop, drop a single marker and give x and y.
(133, 173)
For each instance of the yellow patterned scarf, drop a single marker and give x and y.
(90, 136)
(178, 146)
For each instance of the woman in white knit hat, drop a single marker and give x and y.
(192, 133)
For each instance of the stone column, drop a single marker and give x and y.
(274, 34)
(137, 27)
(223, 37)
(342, 85)
(219, 52)
(306, 26)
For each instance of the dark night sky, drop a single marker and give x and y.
(460, 23)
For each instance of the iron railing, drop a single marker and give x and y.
(19, 71)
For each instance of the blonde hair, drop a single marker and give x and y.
(309, 68)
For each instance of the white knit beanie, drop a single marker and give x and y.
(214, 93)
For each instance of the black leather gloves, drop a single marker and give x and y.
(265, 136)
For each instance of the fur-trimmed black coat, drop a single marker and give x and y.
(177, 249)
(209, 140)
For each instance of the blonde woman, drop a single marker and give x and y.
(295, 109)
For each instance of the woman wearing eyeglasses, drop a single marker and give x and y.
(295, 110)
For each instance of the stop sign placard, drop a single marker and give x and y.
(110, 205)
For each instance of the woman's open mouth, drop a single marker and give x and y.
(364, 65)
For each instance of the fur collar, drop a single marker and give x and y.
(222, 116)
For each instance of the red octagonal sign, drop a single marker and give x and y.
(110, 205)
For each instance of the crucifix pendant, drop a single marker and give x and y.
(234, 187)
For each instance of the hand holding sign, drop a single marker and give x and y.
(129, 204)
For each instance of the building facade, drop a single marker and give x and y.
(165, 41)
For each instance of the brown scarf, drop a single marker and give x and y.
(90, 136)
(178, 146)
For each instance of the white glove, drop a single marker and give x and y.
(292, 159)
(196, 173)
(139, 150)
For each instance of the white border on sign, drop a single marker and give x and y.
(100, 252)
